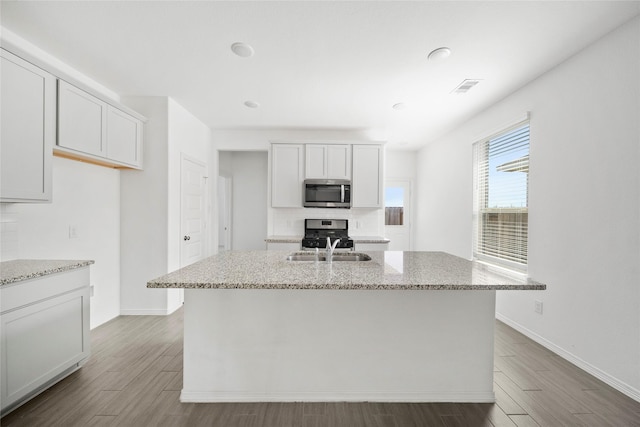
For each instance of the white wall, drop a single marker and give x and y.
(145, 215)
(191, 137)
(258, 140)
(584, 206)
(85, 196)
(151, 203)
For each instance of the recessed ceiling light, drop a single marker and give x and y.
(242, 49)
(399, 106)
(439, 54)
(251, 104)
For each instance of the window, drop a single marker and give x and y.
(394, 206)
(501, 180)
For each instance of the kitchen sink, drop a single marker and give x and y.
(338, 256)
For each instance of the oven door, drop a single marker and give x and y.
(327, 194)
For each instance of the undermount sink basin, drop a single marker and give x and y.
(338, 256)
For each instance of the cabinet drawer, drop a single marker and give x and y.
(31, 291)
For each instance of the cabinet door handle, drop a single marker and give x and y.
(187, 237)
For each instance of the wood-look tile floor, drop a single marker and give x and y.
(134, 377)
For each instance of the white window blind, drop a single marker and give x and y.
(500, 214)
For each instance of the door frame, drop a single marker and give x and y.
(408, 199)
(228, 207)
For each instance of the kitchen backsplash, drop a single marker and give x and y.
(8, 232)
(362, 222)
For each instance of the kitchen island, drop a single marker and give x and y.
(403, 326)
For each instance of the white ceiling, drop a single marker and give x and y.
(326, 65)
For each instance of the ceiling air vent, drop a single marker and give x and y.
(465, 86)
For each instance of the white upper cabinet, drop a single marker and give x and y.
(367, 182)
(28, 130)
(91, 129)
(124, 137)
(328, 161)
(81, 120)
(339, 161)
(315, 161)
(286, 175)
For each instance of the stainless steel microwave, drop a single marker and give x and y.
(327, 193)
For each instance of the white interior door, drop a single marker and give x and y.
(397, 223)
(192, 211)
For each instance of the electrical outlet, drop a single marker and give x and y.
(73, 232)
(538, 307)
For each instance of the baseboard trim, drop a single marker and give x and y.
(612, 381)
(417, 397)
(144, 312)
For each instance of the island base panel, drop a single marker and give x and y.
(325, 345)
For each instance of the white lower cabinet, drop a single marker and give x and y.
(44, 329)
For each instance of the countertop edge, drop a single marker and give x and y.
(298, 239)
(346, 286)
(35, 268)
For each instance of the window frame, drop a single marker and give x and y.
(479, 255)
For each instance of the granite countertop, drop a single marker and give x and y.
(388, 270)
(369, 239)
(25, 269)
(298, 239)
(283, 239)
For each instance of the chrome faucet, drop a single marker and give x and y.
(331, 248)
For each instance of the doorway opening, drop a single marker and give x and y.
(397, 215)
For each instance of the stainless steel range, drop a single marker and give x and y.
(316, 232)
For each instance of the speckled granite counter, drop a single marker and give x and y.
(283, 239)
(369, 239)
(298, 239)
(25, 269)
(385, 271)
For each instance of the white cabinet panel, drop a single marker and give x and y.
(124, 137)
(366, 190)
(332, 161)
(93, 130)
(28, 130)
(286, 175)
(42, 337)
(81, 120)
(339, 161)
(316, 161)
